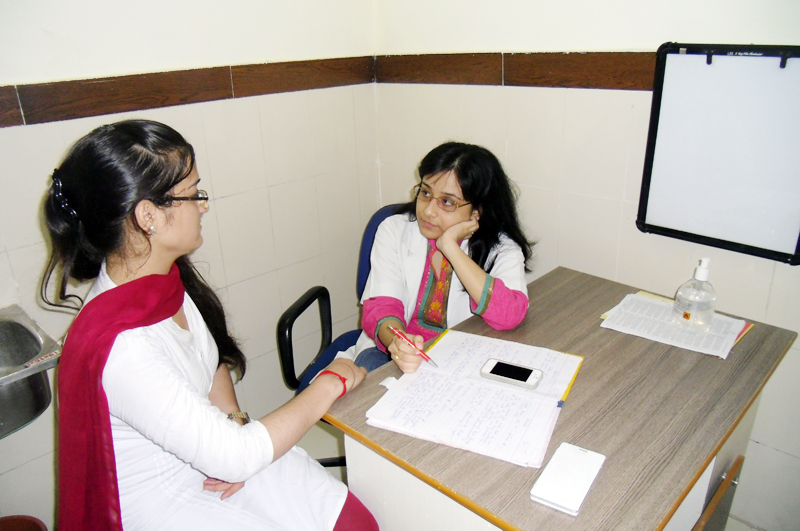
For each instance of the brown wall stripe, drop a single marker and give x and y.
(66, 100)
(462, 69)
(632, 71)
(254, 80)
(9, 107)
(50, 102)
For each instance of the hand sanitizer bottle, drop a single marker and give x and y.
(695, 300)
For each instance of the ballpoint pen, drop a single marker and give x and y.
(407, 341)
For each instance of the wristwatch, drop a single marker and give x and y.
(239, 415)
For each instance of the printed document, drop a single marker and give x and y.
(646, 316)
(454, 405)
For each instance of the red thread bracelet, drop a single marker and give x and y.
(342, 378)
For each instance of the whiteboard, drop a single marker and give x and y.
(723, 154)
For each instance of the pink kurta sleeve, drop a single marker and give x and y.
(377, 310)
(501, 307)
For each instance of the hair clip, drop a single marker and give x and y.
(62, 201)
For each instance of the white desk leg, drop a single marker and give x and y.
(400, 501)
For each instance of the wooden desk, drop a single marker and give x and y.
(659, 414)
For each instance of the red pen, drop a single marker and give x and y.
(407, 341)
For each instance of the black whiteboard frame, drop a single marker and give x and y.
(709, 50)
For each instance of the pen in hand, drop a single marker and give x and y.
(407, 341)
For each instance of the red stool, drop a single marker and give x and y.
(21, 523)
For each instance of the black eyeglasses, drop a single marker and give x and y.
(201, 195)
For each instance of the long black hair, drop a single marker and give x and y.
(489, 190)
(91, 203)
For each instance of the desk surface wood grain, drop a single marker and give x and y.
(658, 413)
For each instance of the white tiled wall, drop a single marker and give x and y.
(294, 177)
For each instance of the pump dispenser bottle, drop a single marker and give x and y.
(695, 301)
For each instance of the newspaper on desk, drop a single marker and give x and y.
(650, 317)
(455, 406)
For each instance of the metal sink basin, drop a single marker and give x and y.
(26, 352)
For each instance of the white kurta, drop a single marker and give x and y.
(398, 262)
(168, 438)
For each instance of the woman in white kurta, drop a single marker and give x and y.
(125, 208)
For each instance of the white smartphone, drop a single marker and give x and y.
(503, 371)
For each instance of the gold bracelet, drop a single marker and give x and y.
(239, 415)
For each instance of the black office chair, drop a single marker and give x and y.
(328, 348)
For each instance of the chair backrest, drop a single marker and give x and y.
(367, 241)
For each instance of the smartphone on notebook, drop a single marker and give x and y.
(503, 371)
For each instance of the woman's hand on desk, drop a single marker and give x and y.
(404, 355)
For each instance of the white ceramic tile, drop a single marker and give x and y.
(535, 135)
(769, 487)
(286, 130)
(637, 142)
(368, 192)
(235, 152)
(588, 234)
(783, 309)
(262, 388)
(340, 270)
(397, 126)
(538, 212)
(28, 156)
(28, 265)
(350, 323)
(414, 120)
(650, 261)
(30, 489)
(365, 114)
(735, 525)
(436, 119)
(596, 131)
(780, 402)
(333, 129)
(396, 183)
(339, 209)
(208, 258)
(8, 286)
(245, 234)
(296, 221)
(294, 281)
(483, 117)
(32, 441)
(254, 307)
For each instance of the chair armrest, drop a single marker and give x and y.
(286, 322)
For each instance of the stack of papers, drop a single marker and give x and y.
(648, 316)
(454, 405)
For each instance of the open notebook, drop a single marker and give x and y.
(454, 405)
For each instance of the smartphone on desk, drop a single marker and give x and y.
(510, 373)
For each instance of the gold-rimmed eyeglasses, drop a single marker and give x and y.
(201, 195)
(445, 203)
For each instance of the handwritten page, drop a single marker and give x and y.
(651, 318)
(454, 405)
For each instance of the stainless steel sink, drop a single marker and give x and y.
(26, 352)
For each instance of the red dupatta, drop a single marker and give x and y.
(88, 495)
